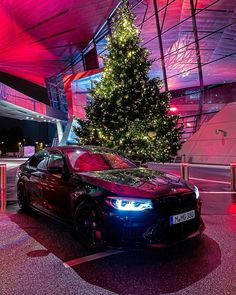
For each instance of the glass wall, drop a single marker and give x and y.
(199, 48)
(196, 36)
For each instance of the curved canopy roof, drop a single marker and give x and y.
(38, 37)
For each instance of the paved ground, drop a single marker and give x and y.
(33, 249)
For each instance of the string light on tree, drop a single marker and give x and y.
(127, 111)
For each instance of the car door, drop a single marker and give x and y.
(34, 177)
(57, 187)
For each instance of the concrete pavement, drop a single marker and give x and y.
(34, 248)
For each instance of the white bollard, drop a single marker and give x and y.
(233, 177)
(184, 171)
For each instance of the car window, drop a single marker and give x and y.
(91, 162)
(88, 161)
(43, 164)
(55, 160)
(118, 162)
(36, 159)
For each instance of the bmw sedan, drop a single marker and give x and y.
(108, 199)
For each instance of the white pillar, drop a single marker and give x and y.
(66, 133)
(59, 131)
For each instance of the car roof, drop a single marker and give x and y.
(86, 148)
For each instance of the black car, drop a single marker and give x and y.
(108, 198)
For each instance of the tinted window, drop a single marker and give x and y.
(43, 164)
(56, 160)
(38, 158)
(87, 161)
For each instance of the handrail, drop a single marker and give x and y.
(185, 171)
(194, 126)
(196, 115)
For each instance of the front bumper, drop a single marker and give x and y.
(152, 227)
(190, 236)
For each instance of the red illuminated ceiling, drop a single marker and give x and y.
(38, 37)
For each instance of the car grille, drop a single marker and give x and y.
(172, 205)
(160, 230)
(175, 204)
(167, 233)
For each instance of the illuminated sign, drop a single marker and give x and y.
(29, 151)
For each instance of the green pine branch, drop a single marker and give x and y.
(127, 111)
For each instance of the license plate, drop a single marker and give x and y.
(179, 218)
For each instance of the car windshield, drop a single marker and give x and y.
(85, 161)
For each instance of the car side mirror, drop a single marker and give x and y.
(55, 170)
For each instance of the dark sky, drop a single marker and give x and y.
(12, 131)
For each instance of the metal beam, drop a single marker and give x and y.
(199, 39)
(199, 63)
(182, 21)
(160, 44)
(205, 64)
(164, 16)
(144, 16)
(164, 7)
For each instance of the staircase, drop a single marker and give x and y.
(215, 141)
(192, 123)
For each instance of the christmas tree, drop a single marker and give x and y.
(127, 111)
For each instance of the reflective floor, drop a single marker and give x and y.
(33, 249)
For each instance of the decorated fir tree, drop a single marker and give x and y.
(127, 111)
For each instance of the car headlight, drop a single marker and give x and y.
(196, 192)
(126, 204)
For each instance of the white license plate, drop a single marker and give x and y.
(175, 219)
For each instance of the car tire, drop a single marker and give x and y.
(89, 226)
(22, 198)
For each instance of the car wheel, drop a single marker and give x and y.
(89, 226)
(22, 198)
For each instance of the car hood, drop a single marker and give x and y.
(140, 182)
